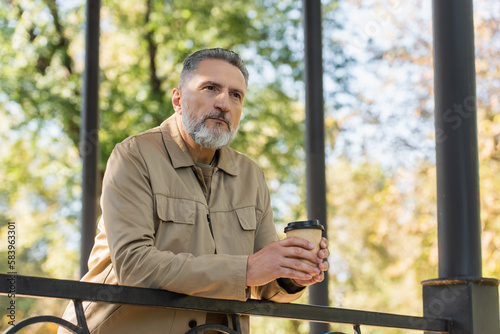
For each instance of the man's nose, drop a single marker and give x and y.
(222, 101)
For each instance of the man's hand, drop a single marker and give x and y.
(282, 259)
(323, 254)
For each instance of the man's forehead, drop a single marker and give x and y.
(221, 72)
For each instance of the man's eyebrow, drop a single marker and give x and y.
(218, 85)
(210, 83)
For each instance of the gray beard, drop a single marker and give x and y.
(212, 138)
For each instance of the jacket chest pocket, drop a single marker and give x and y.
(234, 231)
(176, 223)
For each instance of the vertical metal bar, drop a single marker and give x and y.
(315, 141)
(89, 140)
(459, 227)
(460, 293)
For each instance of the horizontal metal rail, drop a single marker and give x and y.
(75, 290)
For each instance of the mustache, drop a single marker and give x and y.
(220, 115)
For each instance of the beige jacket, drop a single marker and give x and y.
(155, 232)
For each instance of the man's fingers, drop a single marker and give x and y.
(302, 254)
(297, 242)
(324, 266)
(300, 266)
(323, 253)
(315, 279)
(299, 248)
(292, 273)
(319, 278)
(286, 258)
(324, 243)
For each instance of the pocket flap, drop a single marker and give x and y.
(176, 210)
(247, 218)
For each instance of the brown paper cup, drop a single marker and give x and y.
(310, 230)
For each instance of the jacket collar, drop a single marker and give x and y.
(179, 153)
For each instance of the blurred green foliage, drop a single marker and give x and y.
(382, 221)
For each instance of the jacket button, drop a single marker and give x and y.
(192, 324)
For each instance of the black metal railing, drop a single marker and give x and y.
(82, 291)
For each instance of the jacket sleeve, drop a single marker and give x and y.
(128, 215)
(266, 234)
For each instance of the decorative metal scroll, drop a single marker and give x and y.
(219, 328)
(81, 328)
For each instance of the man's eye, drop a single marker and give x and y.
(210, 88)
(236, 95)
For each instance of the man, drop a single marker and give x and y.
(184, 212)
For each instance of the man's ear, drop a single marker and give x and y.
(176, 100)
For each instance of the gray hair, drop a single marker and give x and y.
(191, 62)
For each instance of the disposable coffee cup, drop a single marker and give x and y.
(311, 230)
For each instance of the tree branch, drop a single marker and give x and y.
(154, 80)
(63, 44)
